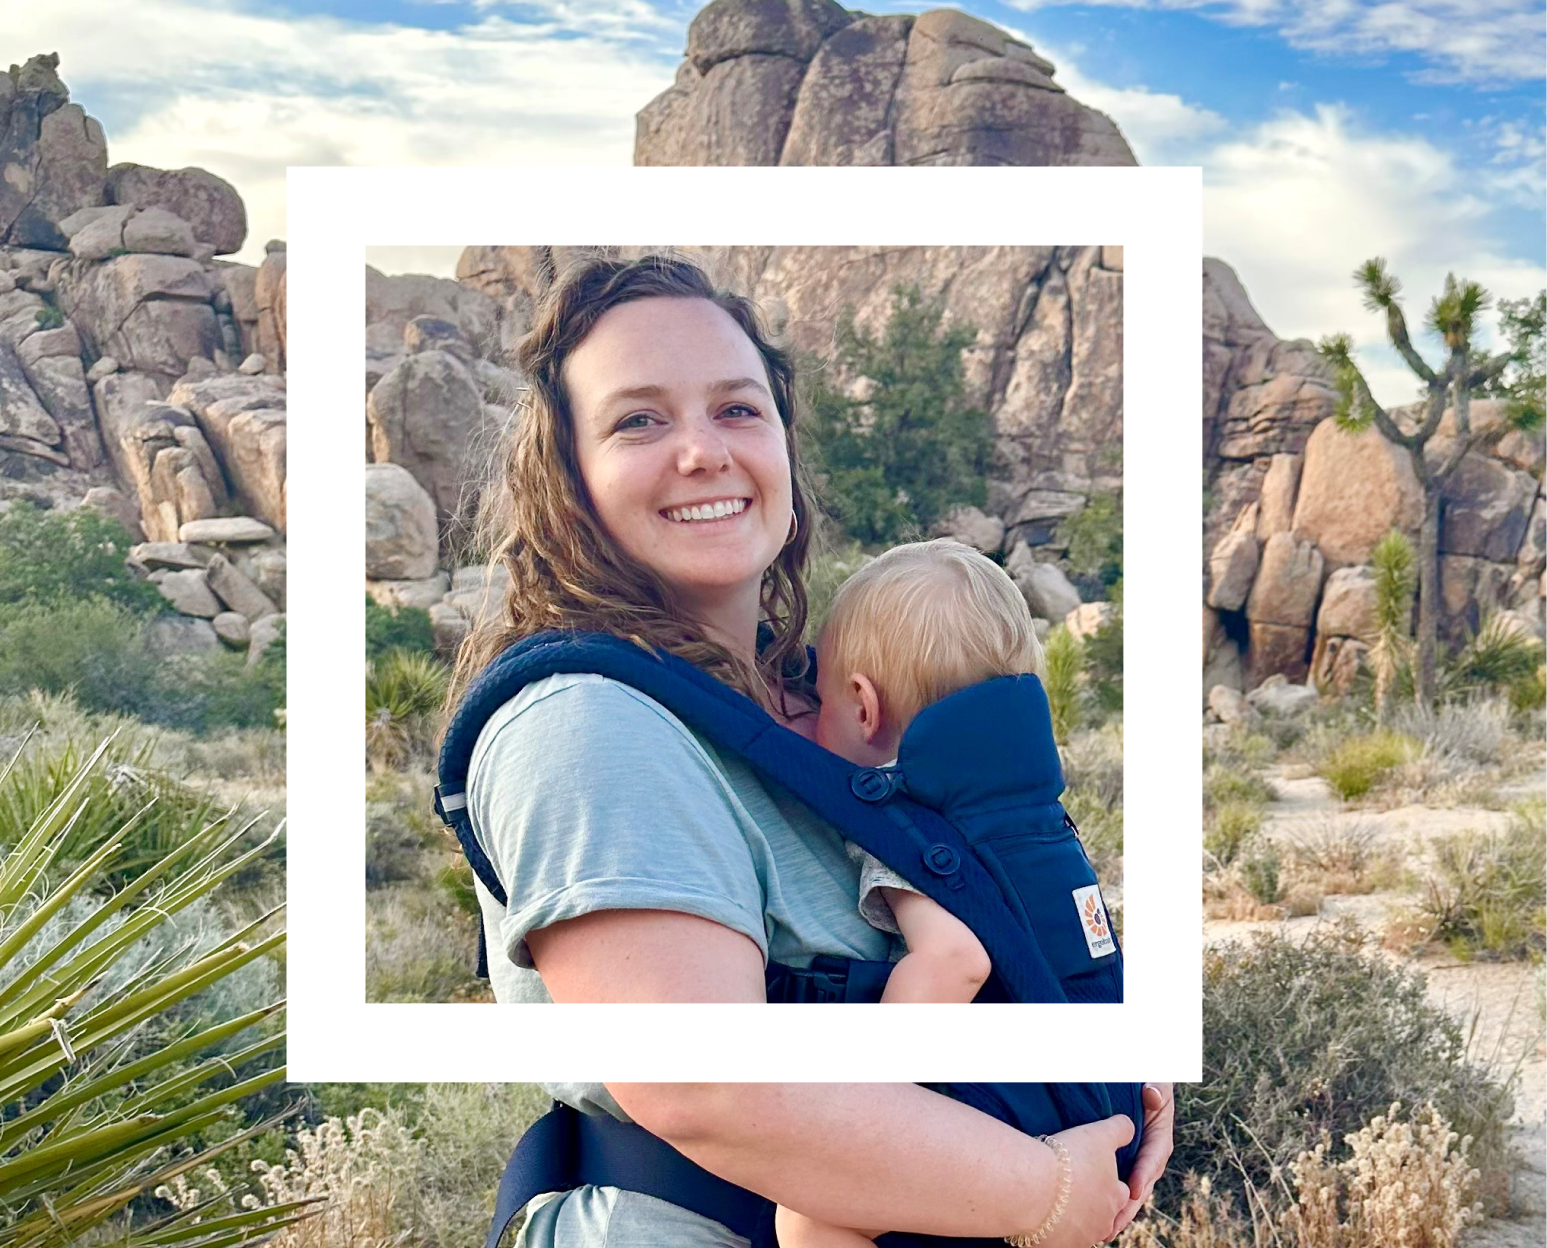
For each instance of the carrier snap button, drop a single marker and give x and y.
(941, 859)
(873, 785)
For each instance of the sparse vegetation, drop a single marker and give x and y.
(407, 628)
(1354, 765)
(1064, 655)
(404, 693)
(1487, 892)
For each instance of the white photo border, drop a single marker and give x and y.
(1154, 214)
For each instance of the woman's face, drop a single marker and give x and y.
(681, 447)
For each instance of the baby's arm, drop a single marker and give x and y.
(945, 962)
(796, 1230)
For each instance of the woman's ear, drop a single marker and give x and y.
(868, 703)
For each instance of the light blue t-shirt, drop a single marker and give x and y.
(587, 795)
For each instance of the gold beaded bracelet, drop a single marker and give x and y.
(1060, 1202)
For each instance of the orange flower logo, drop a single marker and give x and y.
(1095, 920)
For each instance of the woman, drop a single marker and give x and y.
(652, 490)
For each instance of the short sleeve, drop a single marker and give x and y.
(588, 796)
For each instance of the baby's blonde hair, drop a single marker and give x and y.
(926, 619)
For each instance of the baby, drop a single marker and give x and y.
(911, 627)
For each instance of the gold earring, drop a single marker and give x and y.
(794, 528)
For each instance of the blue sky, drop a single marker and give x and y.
(1328, 130)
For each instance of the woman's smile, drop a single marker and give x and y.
(701, 514)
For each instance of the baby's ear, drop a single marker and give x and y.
(869, 704)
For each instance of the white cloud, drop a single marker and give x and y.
(1160, 126)
(1479, 40)
(1298, 202)
(248, 94)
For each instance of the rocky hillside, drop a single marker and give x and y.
(139, 374)
(1294, 507)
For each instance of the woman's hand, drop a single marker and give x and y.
(1154, 1149)
(1097, 1197)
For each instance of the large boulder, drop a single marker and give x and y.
(1354, 488)
(50, 359)
(210, 205)
(401, 539)
(1288, 583)
(806, 82)
(53, 157)
(244, 419)
(424, 416)
(152, 313)
(1348, 604)
(1046, 589)
(1487, 506)
(1234, 563)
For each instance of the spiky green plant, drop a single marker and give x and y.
(1500, 656)
(1064, 655)
(106, 1090)
(404, 691)
(1391, 645)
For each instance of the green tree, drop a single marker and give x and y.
(1467, 371)
(899, 458)
(1391, 643)
(49, 555)
(1523, 383)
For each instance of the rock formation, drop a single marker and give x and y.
(122, 347)
(1294, 507)
(808, 82)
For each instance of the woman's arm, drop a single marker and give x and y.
(887, 1155)
(646, 955)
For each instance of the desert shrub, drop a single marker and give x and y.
(1354, 766)
(51, 556)
(407, 628)
(1487, 891)
(897, 459)
(1228, 829)
(1313, 1037)
(1457, 734)
(1064, 655)
(1499, 657)
(104, 653)
(1223, 785)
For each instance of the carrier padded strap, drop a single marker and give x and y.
(566, 1149)
(936, 859)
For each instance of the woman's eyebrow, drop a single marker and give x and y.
(727, 386)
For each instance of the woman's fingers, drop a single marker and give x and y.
(1155, 1148)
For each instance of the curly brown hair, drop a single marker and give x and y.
(537, 520)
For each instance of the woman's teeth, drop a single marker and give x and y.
(709, 511)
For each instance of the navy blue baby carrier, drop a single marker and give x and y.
(969, 815)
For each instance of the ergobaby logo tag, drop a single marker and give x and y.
(1094, 922)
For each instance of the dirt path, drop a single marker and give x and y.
(1499, 1002)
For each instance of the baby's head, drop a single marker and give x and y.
(909, 628)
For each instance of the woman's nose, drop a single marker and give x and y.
(703, 448)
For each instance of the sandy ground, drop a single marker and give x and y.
(1499, 1002)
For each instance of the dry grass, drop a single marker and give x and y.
(1340, 855)
(1401, 1184)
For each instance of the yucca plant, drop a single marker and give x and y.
(106, 1090)
(1499, 657)
(1391, 643)
(404, 690)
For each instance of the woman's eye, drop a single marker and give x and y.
(740, 409)
(639, 420)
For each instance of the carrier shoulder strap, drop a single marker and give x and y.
(864, 803)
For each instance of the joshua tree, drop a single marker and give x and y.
(1390, 645)
(1452, 316)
